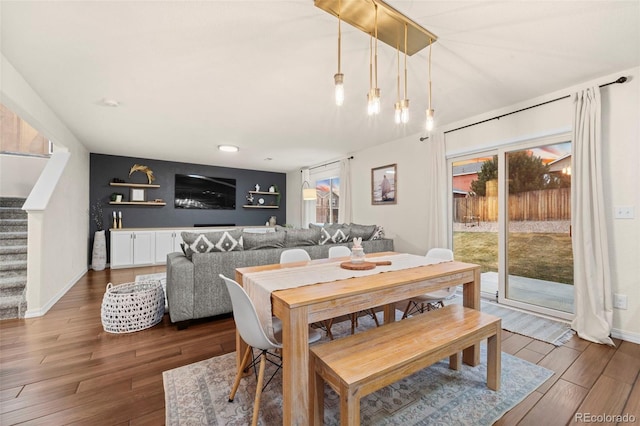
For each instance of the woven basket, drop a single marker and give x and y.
(132, 306)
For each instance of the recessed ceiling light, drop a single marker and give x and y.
(110, 102)
(228, 148)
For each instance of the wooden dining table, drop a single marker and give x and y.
(298, 307)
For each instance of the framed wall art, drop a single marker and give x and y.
(137, 195)
(384, 181)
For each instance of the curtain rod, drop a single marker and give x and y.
(497, 117)
(327, 164)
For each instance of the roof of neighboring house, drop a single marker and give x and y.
(467, 169)
(558, 164)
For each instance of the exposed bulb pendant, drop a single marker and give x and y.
(339, 89)
(404, 111)
(404, 104)
(430, 121)
(339, 77)
(373, 102)
(397, 106)
(430, 112)
(373, 98)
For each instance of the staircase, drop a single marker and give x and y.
(13, 258)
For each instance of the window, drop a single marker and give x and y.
(19, 138)
(512, 215)
(328, 195)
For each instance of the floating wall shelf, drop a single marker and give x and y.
(138, 203)
(134, 185)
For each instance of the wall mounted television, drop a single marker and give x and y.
(204, 192)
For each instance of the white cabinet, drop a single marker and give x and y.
(132, 248)
(167, 242)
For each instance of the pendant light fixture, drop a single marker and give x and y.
(430, 111)
(373, 97)
(339, 77)
(404, 105)
(388, 27)
(397, 106)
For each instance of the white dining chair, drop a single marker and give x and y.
(339, 251)
(434, 299)
(294, 255)
(300, 255)
(344, 251)
(252, 332)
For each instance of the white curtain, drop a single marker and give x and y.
(591, 277)
(308, 208)
(344, 203)
(436, 192)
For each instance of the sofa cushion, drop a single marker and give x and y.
(206, 242)
(255, 241)
(300, 237)
(362, 231)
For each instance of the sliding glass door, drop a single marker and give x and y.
(539, 258)
(511, 214)
(475, 216)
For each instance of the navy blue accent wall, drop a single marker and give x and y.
(103, 168)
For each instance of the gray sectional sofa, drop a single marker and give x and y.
(194, 289)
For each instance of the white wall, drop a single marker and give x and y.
(621, 135)
(404, 221)
(61, 229)
(621, 132)
(18, 174)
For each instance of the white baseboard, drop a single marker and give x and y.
(625, 335)
(32, 313)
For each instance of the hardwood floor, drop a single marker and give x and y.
(63, 368)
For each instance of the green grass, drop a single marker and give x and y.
(543, 256)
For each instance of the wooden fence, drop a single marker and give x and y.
(548, 204)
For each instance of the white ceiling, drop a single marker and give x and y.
(190, 75)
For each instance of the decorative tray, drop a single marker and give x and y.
(363, 266)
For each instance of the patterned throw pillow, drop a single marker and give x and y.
(255, 241)
(378, 234)
(335, 233)
(207, 242)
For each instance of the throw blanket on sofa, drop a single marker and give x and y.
(259, 285)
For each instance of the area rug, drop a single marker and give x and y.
(537, 327)
(160, 276)
(197, 394)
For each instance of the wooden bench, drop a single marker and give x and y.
(360, 364)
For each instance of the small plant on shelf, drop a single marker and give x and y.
(114, 196)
